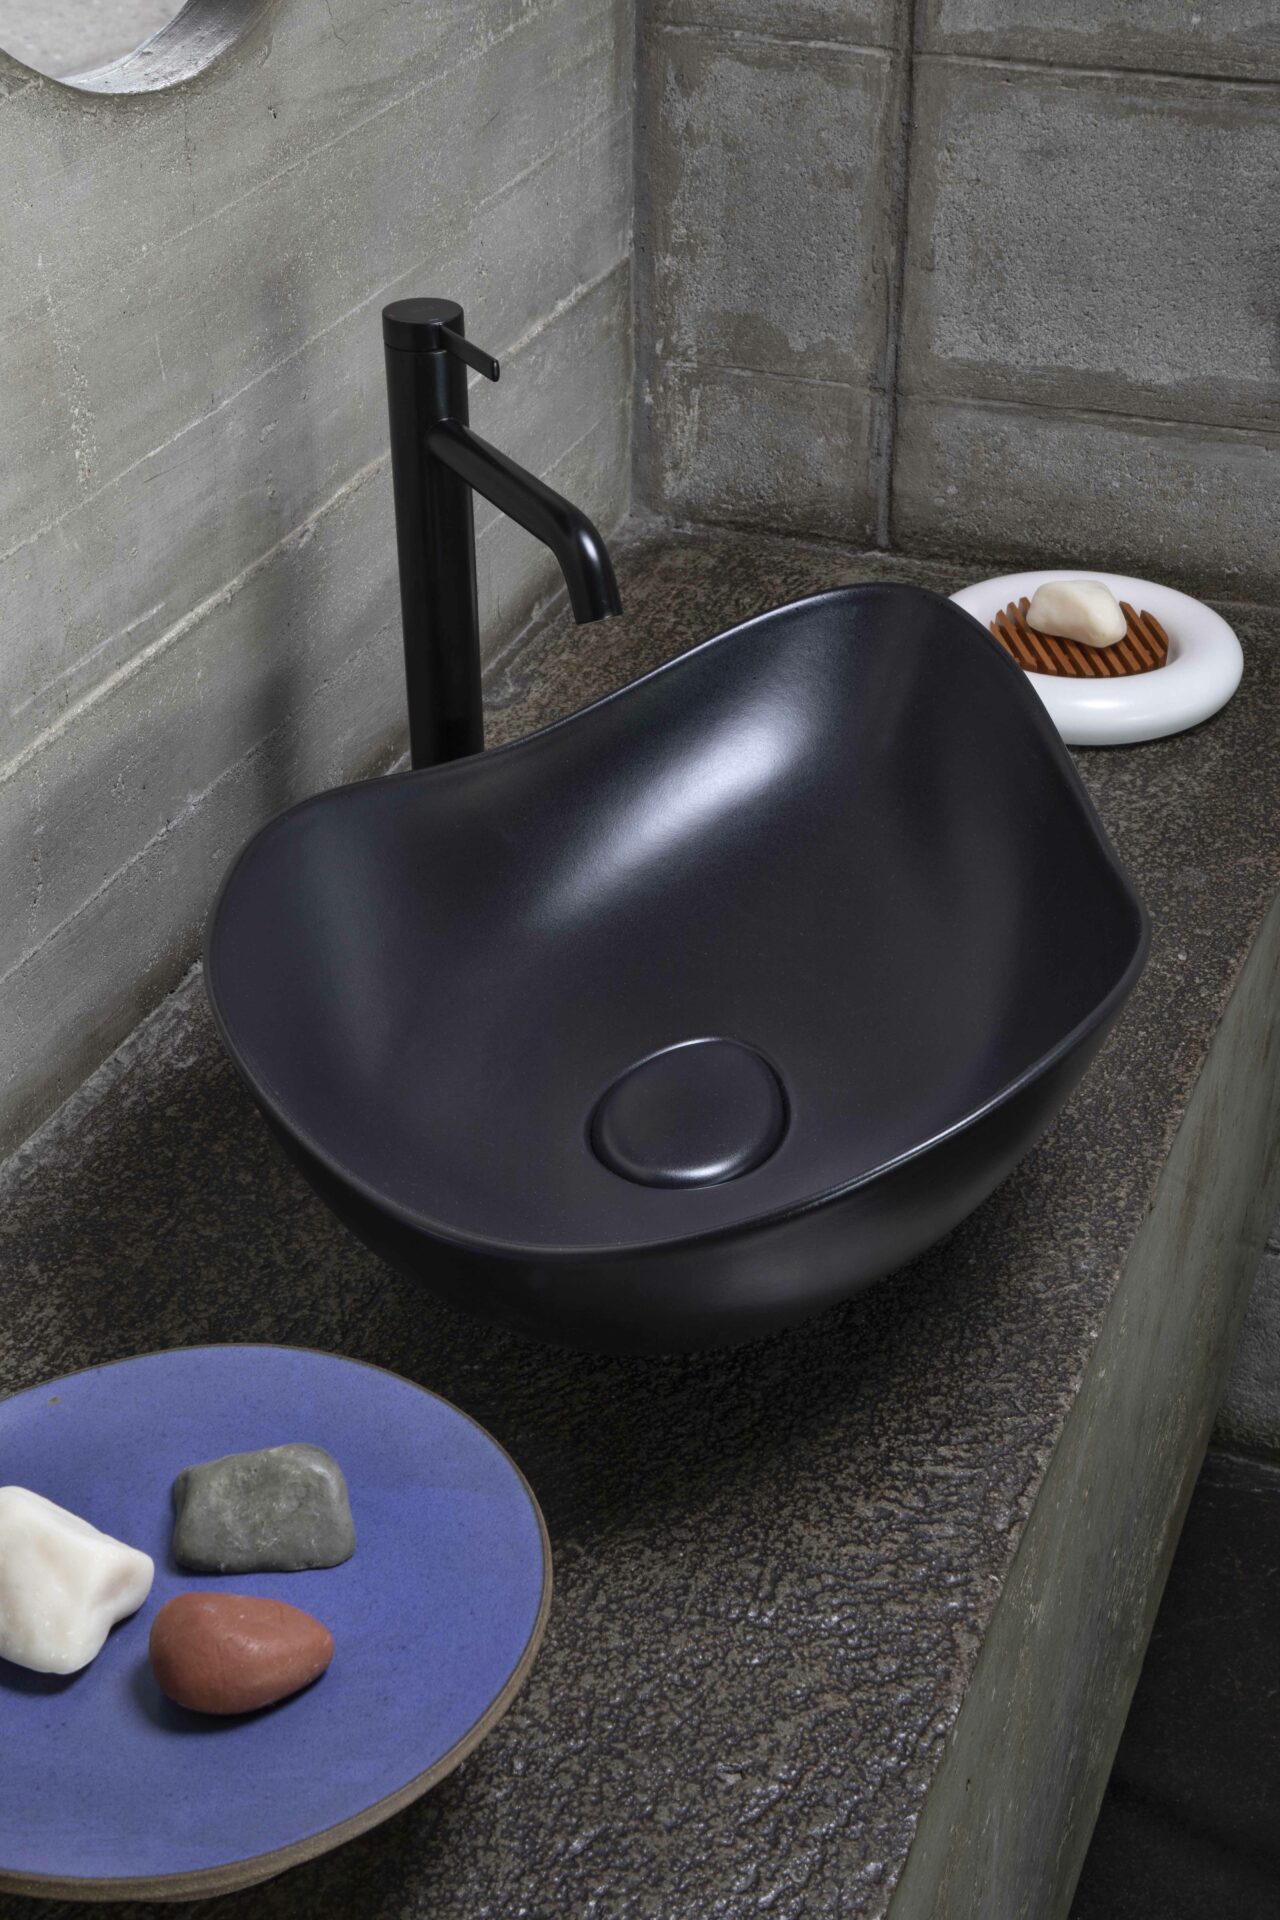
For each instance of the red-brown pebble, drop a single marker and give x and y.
(230, 1652)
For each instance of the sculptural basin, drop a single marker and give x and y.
(697, 1011)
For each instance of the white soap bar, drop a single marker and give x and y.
(1082, 610)
(63, 1585)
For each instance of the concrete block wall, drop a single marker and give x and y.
(982, 276)
(1089, 309)
(197, 578)
(769, 193)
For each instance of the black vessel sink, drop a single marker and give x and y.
(703, 1008)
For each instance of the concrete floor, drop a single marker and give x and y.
(1190, 1825)
(71, 36)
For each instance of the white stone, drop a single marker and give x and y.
(63, 1585)
(1082, 610)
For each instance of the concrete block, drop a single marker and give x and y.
(763, 218)
(1163, 36)
(1094, 242)
(1190, 505)
(748, 449)
(1250, 1412)
(851, 23)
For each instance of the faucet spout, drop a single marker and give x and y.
(572, 537)
(437, 463)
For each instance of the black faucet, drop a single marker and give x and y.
(436, 461)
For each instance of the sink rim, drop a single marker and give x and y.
(587, 1254)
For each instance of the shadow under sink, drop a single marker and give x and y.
(703, 1008)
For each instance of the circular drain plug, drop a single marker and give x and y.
(693, 1115)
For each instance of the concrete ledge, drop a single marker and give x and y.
(808, 1589)
(1007, 1820)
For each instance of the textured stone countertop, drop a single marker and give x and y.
(775, 1567)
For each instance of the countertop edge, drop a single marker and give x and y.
(1032, 1745)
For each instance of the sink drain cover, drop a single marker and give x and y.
(693, 1115)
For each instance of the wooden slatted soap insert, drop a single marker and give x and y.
(1145, 646)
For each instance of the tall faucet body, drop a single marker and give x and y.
(436, 464)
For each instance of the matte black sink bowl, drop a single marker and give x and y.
(695, 1012)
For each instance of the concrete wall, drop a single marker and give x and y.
(768, 210)
(197, 584)
(1250, 1413)
(991, 276)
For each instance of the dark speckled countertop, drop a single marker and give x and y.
(776, 1566)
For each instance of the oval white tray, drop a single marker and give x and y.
(1201, 674)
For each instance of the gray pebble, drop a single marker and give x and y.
(279, 1510)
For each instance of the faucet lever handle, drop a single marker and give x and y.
(467, 350)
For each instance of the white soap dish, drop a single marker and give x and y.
(1200, 673)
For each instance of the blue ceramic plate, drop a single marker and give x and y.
(108, 1791)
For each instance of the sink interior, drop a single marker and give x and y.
(842, 836)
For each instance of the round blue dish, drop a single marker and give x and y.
(112, 1792)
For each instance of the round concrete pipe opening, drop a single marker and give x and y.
(130, 46)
